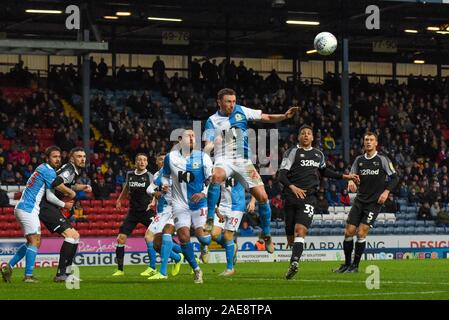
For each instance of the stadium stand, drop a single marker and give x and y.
(410, 119)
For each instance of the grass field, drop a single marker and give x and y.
(399, 279)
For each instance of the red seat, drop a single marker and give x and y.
(95, 203)
(109, 203)
(8, 210)
(85, 203)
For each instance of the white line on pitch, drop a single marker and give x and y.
(349, 295)
(340, 281)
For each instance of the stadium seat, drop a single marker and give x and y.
(317, 217)
(109, 203)
(440, 230)
(95, 203)
(420, 223)
(399, 230)
(420, 230)
(430, 230)
(410, 230)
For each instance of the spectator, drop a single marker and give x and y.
(329, 142)
(245, 229)
(332, 197)
(78, 212)
(101, 190)
(277, 206)
(102, 69)
(260, 244)
(424, 212)
(434, 210)
(8, 176)
(272, 189)
(390, 205)
(4, 199)
(158, 68)
(344, 198)
(322, 205)
(413, 197)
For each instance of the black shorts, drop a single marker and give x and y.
(365, 213)
(133, 218)
(299, 212)
(53, 219)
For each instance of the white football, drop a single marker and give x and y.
(325, 43)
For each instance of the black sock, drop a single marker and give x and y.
(348, 246)
(64, 254)
(298, 247)
(359, 249)
(120, 254)
(72, 256)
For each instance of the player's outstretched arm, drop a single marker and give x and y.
(275, 118)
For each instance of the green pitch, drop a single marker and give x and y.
(408, 279)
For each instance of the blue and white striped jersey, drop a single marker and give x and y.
(165, 199)
(189, 175)
(230, 134)
(233, 196)
(42, 178)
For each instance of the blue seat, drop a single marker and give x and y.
(410, 230)
(440, 230)
(335, 232)
(312, 232)
(431, 223)
(399, 230)
(273, 224)
(420, 223)
(390, 230)
(400, 223)
(281, 225)
(410, 209)
(326, 231)
(420, 230)
(430, 230)
(409, 223)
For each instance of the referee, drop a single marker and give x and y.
(134, 188)
(299, 174)
(373, 169)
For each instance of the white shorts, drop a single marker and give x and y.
(160, 220)
(232, 219)
(242, 169)
(29, 221)
(186, 217)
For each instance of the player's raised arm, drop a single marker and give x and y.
(274, 118)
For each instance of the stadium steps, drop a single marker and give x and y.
(71, 112)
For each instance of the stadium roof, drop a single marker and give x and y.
(252, 28)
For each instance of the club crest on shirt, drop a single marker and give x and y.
(238, 117)
(195, 165)
(375, 163)
(301, 155)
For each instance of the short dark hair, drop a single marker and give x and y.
(51, 149)
(160, 154)
(140, 154)
(305, 126)
(370, 133)
(225, 92)
(76, 149)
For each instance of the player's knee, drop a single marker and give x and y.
(35, 241)
(121, 239)
(262, 198)
(228, 235)
(218, 176)
(149, 236)
(184, 237)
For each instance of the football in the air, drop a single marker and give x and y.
(325, 43)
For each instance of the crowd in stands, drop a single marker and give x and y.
(411, 120)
